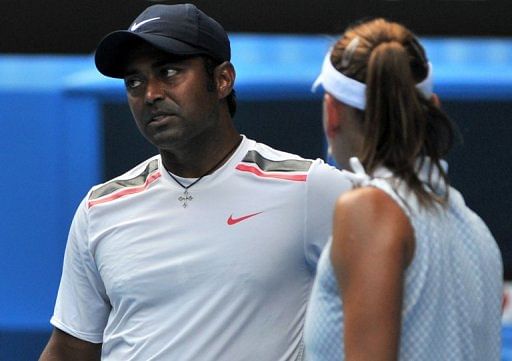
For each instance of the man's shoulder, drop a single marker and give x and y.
(268, 156)
(139, 176)
(271, 159)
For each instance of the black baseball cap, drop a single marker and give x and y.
(180, 29)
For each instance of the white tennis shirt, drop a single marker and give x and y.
(226, 278)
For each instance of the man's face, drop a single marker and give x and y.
(169, 98)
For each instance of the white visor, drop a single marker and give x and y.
(352, 92)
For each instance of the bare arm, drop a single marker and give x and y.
(64, 347)
(373, 243)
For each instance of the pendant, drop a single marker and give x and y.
(186, 197)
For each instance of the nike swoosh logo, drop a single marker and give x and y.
(232, 221)
(135, 26)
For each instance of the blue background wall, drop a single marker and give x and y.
(53, 111)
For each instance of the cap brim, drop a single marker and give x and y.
(112, 53)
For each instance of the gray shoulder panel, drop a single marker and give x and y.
(289, 165)
(115, 185)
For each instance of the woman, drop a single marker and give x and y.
(411, 273)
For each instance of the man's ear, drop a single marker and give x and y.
(332, 120)
(224, 79)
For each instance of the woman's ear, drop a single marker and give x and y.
(332, 119)
(435, 99)
(224, 79)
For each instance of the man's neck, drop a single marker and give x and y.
(200, 160)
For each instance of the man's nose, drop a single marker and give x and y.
(154, 91)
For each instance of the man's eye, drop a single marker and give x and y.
(169, 72)
(132, 83)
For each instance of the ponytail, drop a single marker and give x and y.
(394, 120)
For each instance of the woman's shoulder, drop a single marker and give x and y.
(373, 218)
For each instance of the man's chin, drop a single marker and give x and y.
(167, 140)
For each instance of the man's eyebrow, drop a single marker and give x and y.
(129, 72)
(163, 62)
(156, 64)
(169, 60)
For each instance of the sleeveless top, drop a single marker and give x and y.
(453, 287)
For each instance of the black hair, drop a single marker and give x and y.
(210, 65)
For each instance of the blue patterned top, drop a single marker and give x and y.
(453, 288)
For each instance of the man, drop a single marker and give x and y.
(208, 250)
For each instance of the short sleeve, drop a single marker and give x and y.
(82, 307)
(325, 184)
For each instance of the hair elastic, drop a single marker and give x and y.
(353, 92)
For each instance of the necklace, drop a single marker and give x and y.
(186, 196)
